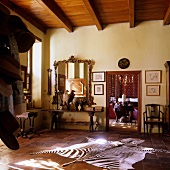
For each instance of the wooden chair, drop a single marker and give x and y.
(134, 116)
(112, 114)
(153, 116)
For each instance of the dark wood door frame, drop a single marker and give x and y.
(139, 73)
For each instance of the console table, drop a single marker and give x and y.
(56, 116)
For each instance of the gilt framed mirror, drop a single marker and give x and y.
(76, 75)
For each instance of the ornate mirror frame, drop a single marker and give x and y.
(72, 59)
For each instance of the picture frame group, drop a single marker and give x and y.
(98, 89)
(152, 90)
(153, 76)
(98, 76)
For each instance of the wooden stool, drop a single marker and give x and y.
(31, 117)
(23, 117)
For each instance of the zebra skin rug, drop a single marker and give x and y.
(106, 154)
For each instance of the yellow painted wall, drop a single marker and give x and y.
(39, 69)
(146, 46)
(23, 58)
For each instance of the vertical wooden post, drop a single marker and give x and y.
(49, 81)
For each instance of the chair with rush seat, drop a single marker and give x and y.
(153, 116)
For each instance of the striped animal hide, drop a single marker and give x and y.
(106, 154)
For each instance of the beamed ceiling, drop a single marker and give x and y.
(69, 14)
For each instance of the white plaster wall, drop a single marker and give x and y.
(146, 46)
(39, 68)
(36, 72)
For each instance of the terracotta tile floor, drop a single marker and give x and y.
(62, 138)
(122, 126)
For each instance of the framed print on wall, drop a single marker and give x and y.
(152, 90)
(153, 76)
(98, 89)
(24, 75)
(61, 82)
(78, 85)
(98, 76)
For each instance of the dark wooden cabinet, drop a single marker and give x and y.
(167, 66)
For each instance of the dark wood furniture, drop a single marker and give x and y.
(112, 114)
(56, 117)
(167, 66)
(153, 116)
(22, 119)
(125, 111)
(134, 116)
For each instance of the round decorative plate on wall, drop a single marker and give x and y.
(123, 63)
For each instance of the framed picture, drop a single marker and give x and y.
(153, 76)
(98, 76)
(98, 89)
(24, 75)
(61, 82)
(152, 90)
(78, 85)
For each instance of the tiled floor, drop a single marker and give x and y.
(62, 138)
(123, 126)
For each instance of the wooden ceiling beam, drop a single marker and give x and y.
(93, 14)
(52, 7)
(132, 13)
(22, 13)
(167, 17)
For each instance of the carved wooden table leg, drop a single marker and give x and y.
(91, 114)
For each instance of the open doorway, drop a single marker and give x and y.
(123, 97)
